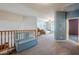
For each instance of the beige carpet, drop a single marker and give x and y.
(47, 46)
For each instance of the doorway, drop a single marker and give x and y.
(72, 29)
(46, 27)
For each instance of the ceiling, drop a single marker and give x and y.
(35, 9)
(46, 10)
(46, 7)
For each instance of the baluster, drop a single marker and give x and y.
(9, 39)
(14, 37)
(4, 40)
(0, 40)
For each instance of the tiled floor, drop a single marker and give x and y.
(47, 46)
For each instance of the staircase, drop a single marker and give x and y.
(7, 40)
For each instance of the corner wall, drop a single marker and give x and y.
(73, 14)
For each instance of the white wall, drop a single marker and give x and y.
(29, 22)
(13, 21)
(41, 24)
(10, 21)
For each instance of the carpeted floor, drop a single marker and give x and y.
(47, 46)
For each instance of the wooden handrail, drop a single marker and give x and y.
(18, 30)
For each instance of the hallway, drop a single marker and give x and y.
(47, 46)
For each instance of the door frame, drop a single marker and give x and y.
(67, 29)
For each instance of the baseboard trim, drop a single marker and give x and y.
(76, 43)
(60, 40)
